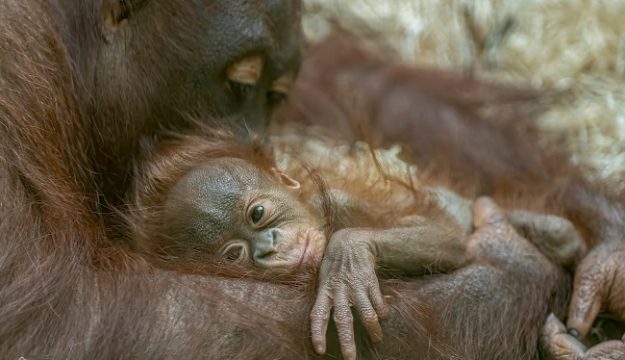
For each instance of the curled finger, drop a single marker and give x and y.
(377, 300)
(558, 344)
(587, 296)
(368, 316)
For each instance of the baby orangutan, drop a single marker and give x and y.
(228, 209)
(351, 210)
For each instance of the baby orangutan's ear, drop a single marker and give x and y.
(287, 181)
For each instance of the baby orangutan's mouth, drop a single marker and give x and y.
(305, 257)
(310, 255)
(305, 252)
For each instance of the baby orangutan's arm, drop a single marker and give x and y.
(556, 237)
(347, 275)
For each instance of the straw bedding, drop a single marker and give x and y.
(572, 45)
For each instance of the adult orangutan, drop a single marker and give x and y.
(80, 81)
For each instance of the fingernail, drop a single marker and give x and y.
(574, 333)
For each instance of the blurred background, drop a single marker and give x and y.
(573, 46)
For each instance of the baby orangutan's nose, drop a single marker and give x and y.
(266, 247)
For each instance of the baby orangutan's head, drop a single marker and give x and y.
(229, 210)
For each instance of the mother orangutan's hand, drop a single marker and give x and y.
(560, 345)
(599, 285)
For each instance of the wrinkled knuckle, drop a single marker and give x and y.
(343, 318)
(319, 315)
(320, 310)
(365, 310)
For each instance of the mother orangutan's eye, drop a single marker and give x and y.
(275, 97)
(257, 214)
(243, 75)
(279, 89)
(241, 90)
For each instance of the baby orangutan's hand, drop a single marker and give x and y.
(347, 278)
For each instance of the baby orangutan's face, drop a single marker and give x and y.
(233, 210)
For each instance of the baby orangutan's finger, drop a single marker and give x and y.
(319, 318)
(345, 327)
(368, 316)
(377, 300)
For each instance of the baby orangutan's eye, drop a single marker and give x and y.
(234, 253)
(260, 212)
(257, 214)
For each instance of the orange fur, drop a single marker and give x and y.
(69, 291)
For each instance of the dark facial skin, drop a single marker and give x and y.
(162, 62)
(242, 214)
(218, 57)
